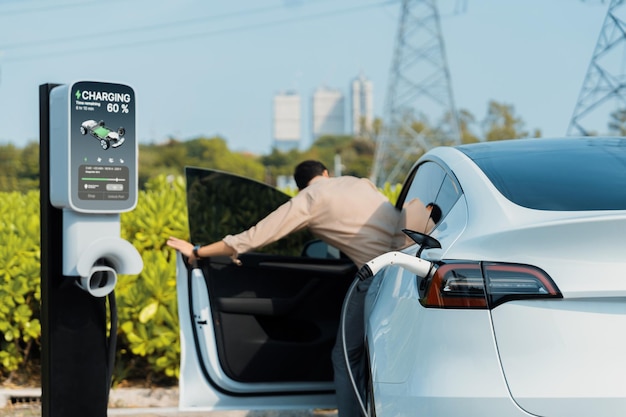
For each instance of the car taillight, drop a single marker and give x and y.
(484, 285)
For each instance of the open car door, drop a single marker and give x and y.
(257, 335)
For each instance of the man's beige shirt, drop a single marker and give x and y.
(346, 212)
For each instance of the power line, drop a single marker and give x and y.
(50, 7)
(183, 37)
(147, 28)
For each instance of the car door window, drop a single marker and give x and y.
(221, 203)
(431, 183)
(448, 194)
(424, 183)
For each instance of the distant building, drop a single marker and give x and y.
(362, 105)
(287, 123)
(328, 114)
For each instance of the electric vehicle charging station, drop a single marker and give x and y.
(88, 164)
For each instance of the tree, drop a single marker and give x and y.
(214, 153)
(10, 160)
(172, 157)
(280, 163)
(330, 145)
(356, 153)
(501, 123)
(19, 168)
(167, 159)
(617, 123)
(466, 120)
(29, 163)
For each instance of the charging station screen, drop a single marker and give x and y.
(103, 150)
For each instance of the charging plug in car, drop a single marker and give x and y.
(416, 265)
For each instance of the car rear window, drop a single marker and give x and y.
(556, 174)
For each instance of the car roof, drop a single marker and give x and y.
(566, 145)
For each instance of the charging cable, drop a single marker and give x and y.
(413, 264)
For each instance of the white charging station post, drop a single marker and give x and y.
(88, 164)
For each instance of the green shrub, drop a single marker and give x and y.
(148, 336)
(19, 284)
(147, 307)
(148, 333)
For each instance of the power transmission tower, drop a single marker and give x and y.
(604, 89)
(419, 108)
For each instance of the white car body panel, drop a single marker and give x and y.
(399, 372)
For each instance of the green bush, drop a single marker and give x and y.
(20, 284)
(148, 336)
(147, 308)
(148, 333)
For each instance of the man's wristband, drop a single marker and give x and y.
(195, 251)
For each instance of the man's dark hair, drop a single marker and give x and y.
(306, 171)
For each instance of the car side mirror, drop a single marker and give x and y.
(425, 241)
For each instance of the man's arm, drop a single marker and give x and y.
(214, 249)
(290, 216)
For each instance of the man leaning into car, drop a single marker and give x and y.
(340, 211)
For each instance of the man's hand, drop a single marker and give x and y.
(182, 246)
(218, 248)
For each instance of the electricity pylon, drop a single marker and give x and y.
(419, 108)
(604, 89)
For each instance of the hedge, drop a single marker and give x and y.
(148, 333)
(148, 339)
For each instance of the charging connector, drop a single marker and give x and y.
(418, 266)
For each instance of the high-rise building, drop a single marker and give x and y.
(287, 123)
(362, 103)
(328, 112)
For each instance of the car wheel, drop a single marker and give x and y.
(101, 123)
(83, 130)
(121, 131)
(105, 144)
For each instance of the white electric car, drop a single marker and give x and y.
(522, 314)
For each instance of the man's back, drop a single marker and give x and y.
(352, 215)
(346, 212)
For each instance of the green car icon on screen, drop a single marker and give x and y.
(107, 137)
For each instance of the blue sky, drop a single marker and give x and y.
(207, 67)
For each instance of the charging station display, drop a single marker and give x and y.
(93, 126)
(103, 148)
